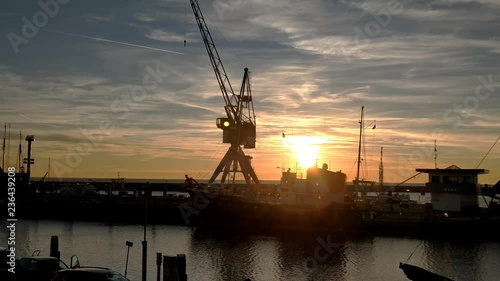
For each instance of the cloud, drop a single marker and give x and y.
(107, 18)
(165, 36)
(145, 18)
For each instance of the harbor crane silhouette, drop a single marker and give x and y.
(239, 126)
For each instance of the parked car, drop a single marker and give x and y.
(405, 203)
(89, 273)
(38, 268)
(5, 264)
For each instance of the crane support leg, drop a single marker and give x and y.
(236, 157)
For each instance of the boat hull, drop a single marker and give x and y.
(230, 212)
(234, 212)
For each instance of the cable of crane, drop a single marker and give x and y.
(488, 152)
(185, 22)
(220, 33)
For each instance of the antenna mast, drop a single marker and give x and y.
(435, 155)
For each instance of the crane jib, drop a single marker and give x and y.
(239, 108)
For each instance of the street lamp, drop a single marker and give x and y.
(129, 244)
(29, 160)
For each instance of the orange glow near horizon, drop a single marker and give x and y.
(306, 149)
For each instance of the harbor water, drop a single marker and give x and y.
(259, 256)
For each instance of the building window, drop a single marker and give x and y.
(435, 179)
(450, 179)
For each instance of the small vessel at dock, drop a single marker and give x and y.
(416, 273)
(306, 205)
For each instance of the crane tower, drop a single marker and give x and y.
(238, 126)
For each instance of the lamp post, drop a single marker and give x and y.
(129, 244)
(29, 160)
(145, 242)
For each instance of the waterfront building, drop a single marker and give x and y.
(453, 189)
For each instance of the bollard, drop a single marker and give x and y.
(180, 263)
(174, 268)
(158, 266)
(54, 247)
(169, 270)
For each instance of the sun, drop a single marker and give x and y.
(306, 155)
(305, 149)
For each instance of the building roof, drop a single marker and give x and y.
(453, 169)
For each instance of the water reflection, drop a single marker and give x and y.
(233, 254)
(222, 255)
(458, 260)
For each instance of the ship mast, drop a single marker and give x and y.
(435, 156)
(20, 154)
(3, 146)
(8, 147)
(356, 182)
(381, 171)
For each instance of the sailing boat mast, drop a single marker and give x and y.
(20, 154)
(381, 171)
(435, 155)
(3, 146)
(356, 183)
(48, 171)
(8, 147)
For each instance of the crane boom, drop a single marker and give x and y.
(230, 98)
(239, 128)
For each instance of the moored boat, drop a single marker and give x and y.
(315, 203)
(320, 203)
(416, 273)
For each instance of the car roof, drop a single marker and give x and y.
(41, 258)
(89, 270)
(92, 269)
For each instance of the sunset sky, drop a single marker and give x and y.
(108, 87)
